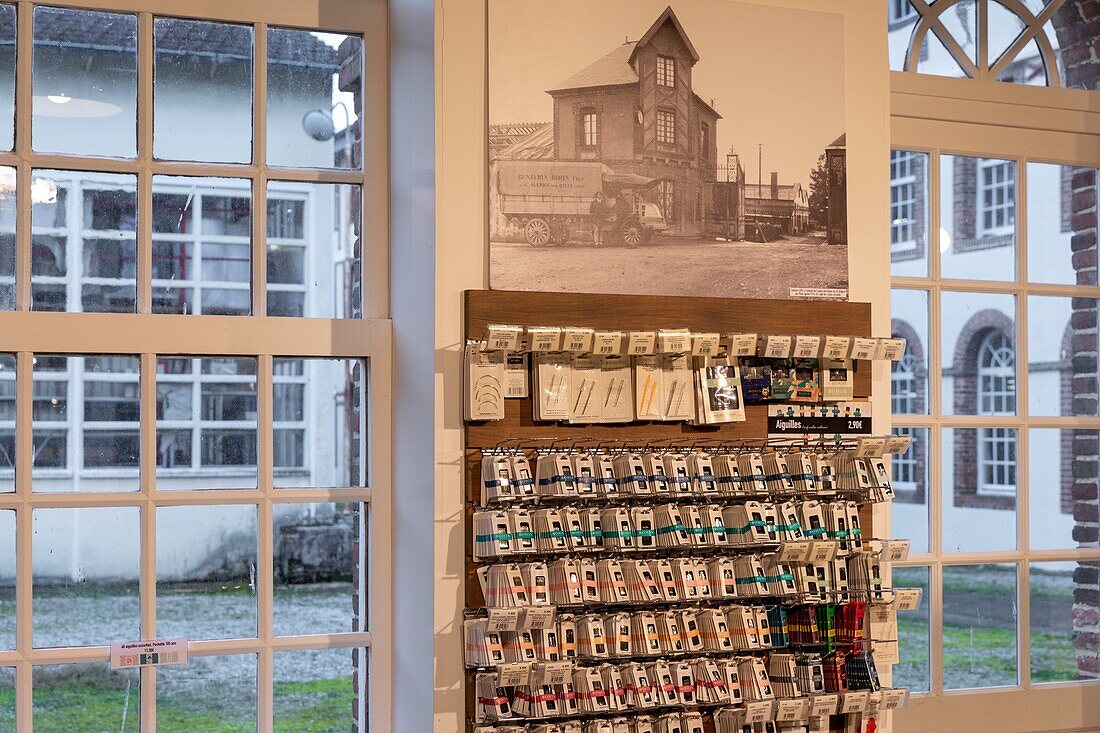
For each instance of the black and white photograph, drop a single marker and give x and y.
(689, 149)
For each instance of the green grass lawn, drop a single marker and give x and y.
(94, 700)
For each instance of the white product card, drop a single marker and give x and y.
(514, 675)
(895, 698)
(641, 343)
(607, 343)
(796, 551)
(807, 347)
(837, 347)
(673, 341)
(552, 673)
(890, 349)
(886, 652)
(577, 340)
(544, 338)
(778, 347)
(788, 711)
(516, 383)
(158, 653)
(538, 617)
(907, 599)
(485, 388)
(705, 344)
(503, 338)
(742, 344)
(822, 550)
(864, 348)
(871, 447)
(824, 705)
(898, 444)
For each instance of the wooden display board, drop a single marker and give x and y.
(635, 312)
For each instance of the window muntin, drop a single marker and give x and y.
(666, 71)
(590, 128)
(666, 126)
(996, 196)
(903, 202)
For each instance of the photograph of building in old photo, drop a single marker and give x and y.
(692, 149)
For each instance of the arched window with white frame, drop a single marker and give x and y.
(996, 396)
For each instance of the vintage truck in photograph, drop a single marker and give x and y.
(551, 201)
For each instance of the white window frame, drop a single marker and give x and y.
(945, 116)
(666, 127)
(905, 467)
(903, 202)
(666, 71)
(590, 128)
(146, 335)
(1002, 187)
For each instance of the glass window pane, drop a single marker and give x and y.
(311, 398)
(206, 423)
(7, 698)
(7, 423)
(314, 93)
(85, 87)
(319, 564)
(909, 173)
(86, 567)
(7, 229)
(202, 245)
(206, 566)
(202, 94)
(1061, 205)
(910, 480)
(7, 79)
(913, 633)
(208, 693)
(7, 583)
(86, 697)
(1063, 638)
(50, 246)
(979, 626)
(315, 691)
(1062, 488)
(909, 375)
(1061, 352)
(977, 218)
(112, 420)
(109, 255)
(314, 257)
(979, 356)
(50, 415)
(979, 489)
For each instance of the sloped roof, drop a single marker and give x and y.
(667, 16)
(786, 191)
(118, 32)
(539, 145)
(840, 142)
(610, 70)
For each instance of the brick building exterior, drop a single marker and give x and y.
(784, 205)
(636, 110)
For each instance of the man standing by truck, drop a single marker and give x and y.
(598, 211)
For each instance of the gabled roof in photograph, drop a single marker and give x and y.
(610, 70)
(667, 17)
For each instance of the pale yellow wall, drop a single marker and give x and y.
(461, 259)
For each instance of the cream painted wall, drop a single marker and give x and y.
(461, 262)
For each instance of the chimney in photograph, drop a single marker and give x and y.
(775, 185)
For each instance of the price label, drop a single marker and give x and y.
(607, 343)
(896, 551)
(503, 338)
(907, 599)
(854, 702)
(674, 341)
(890, 349)
(705, 344)
(864, 348)
(759, 711)
(824, 705)
(881, 614)
(886, 652)
(807, 347)
(152, 653)
(742, 344)
(778, 347)
(515, 376)
(822, 550)
(871, 447)
(796, 551)
(837, 347)
(895, 698)
(503, 619)
(898, 444)
(787, 711)
(578, 340)
(873, 703)
(641, 343)
(513, 675)
(552, 673)
(544, 338)
(538, 617)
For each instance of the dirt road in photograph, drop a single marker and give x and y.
(672, 266)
